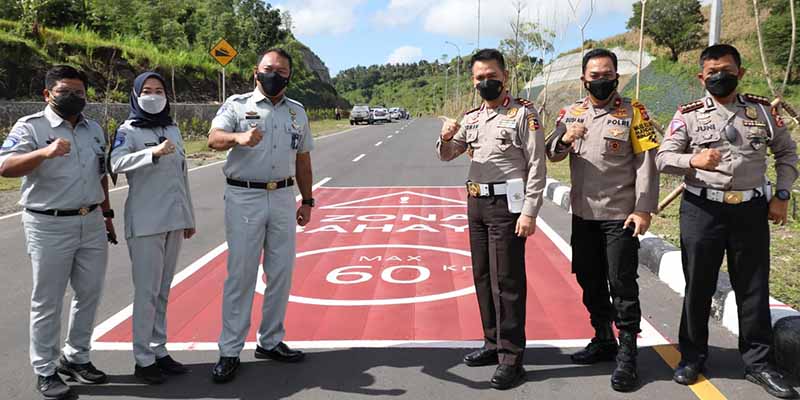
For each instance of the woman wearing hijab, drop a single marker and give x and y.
(159, 215)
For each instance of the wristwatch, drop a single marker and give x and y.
(309, 202)
(783, 194)
(108, 214)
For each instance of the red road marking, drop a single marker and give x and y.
(379, 217)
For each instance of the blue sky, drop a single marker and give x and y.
(346, 33)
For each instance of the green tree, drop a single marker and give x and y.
(778, 36)
(675, 24)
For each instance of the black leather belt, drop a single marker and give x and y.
(65, 213)
(262, 185)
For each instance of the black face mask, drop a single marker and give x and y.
(721, 84)
(68, 105)
(601, 89)
(490, 89)
(272, 83)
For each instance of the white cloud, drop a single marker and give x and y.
(458, 18)
(405, 54)
(401, 12)
(316, 17)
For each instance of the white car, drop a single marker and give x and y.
(380, 114)
(395, 113)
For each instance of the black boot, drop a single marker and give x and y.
(625, 378)
(603, 347)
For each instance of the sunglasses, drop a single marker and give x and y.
(731, 134)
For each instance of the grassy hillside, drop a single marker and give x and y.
(113, 62)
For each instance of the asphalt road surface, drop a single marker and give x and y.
(382, 297)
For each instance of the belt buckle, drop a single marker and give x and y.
(83, 211)
(474, 189)
(272, 185)
(734, 197)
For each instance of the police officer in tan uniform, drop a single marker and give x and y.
(719, 144)
(506, 180)
(611, 144)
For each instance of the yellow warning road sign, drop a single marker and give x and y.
(223, 52)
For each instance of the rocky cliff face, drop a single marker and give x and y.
(314, 63)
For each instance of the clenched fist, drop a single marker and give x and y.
(58, 148)
(250, 138)
(574, 131)
(166, 147)
(708, 159)
(449, 128)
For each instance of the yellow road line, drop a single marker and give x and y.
(703, 388)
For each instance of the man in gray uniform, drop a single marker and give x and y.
(61, 156)
(506, 179)
(719, 145)
(270, 143)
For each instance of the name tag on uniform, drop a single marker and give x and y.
(151, 144)
(507, 123)
(251, 115)
(470, 127)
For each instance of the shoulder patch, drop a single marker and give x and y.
(757, 99)
(472, 111)
(525, 103)
(692, 106)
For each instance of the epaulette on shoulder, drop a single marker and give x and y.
(241, 96)
(757, 99)
(691, 106)
(297, 103)
(32, 116)
(472, 111)
(526, 103)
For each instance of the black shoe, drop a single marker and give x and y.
(83, 373)
(625, 377)
(596, 351)
(52, 387)
(225, 369)
(281, 353)
(150, 374)
(688, 372)
(169, 366)
(481, 357)
(507, 376)
(772, 381)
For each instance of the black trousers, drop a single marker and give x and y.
(498, 268)
(709, 230)
(605, 261)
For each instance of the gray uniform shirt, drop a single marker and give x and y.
(701, 125)
(62, 183)
(159, 199)
(612, 169)
(286, 133)
(504, 143)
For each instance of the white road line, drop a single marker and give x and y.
(116, 189)
(126, 312)
(340, 133)
(389, 137)
(365, 344)
(379, 143)
(400, 129)
(357, 159)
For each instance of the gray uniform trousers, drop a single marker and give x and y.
(154, 258)
(64, 250)
(257, 220)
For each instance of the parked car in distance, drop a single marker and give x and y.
(404, 113)
(395, 114)
(380, 114)
(360, 114)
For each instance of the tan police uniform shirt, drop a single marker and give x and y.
(504, 143)
(612, 169)
(701, 125)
